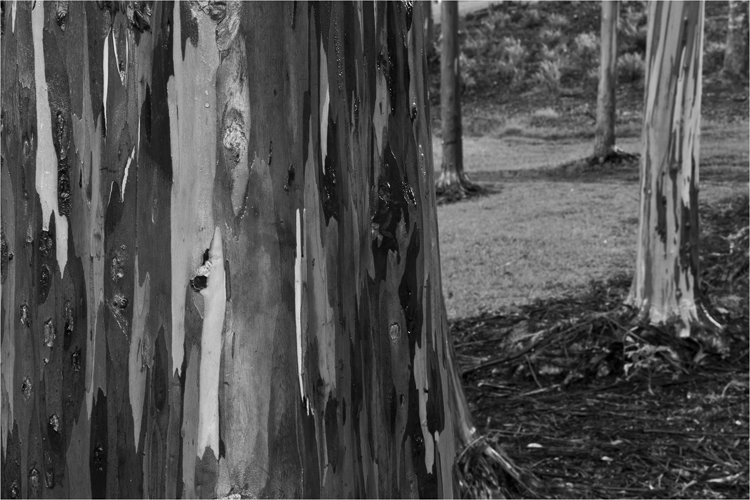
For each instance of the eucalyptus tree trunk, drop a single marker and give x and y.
(429, 23)
(220, 267)
(736, 51)
(604, 141)
(452, 183)
(666, 287)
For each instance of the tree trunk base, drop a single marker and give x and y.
(483, 470)
(700, 327)
(614, 155)
(451, 187)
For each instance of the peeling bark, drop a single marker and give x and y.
(225, 275)
(666, 287)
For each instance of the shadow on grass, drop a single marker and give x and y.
(481, 190)
(626, 171)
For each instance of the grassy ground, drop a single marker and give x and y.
(540, 233)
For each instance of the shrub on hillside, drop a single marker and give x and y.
(632, 29)
(630, 68)
(497, 20)
(550, 36)
(511, 57)
(713, 57)
(585, 52)
(556, 20)
(547, 76)
(531, 19)
(469, 71)
(475, 43)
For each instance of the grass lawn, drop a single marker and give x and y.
(537, 235)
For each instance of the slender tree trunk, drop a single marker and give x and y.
(429, 29)
(452, 183)
(220, 267)
(666, 288)
(604, 142)
(736, 52)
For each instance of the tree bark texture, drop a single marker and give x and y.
(452, 181)
(736, 51)
(220, 256)
(604, 141)
(666, 284)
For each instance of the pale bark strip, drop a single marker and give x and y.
(214, 308)
(604, 141)
(137, 359)
(46, 160)
(192, 113)
(666, 285)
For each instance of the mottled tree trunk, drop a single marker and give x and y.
(604, 141)
(452, 183)
(220, 267)
(736, 51)
(666, 286)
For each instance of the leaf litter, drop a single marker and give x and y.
(596, 405)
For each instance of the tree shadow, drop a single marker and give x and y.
(452, 196)
(625, 171)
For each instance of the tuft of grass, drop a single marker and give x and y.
(550, 36)
(585, 53)
(556, 20)
(468, 71)
(630, 68)
(547, 76)
(512, 55)
(531, 18)
(497, 20)
(547, 112)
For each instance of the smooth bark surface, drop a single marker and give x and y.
(666, 288)
(221, 269)
(604, 141)
(736, 51)
(452, 182)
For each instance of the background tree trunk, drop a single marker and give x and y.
(604, 142)
(220, 265)
(452, 183)
(429, 29)
(736, 52)
(666, 287)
